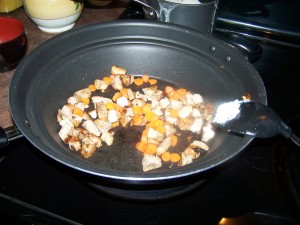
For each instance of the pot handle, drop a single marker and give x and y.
(250, 49)
(9, 134)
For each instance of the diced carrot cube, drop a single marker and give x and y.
(116, 96)
(175, 157)
(78, 112)
(110, 105)
(141, 146)
(138, 81)
(107, 80)
(92, 87)
(174, 139)
(153, 81)
(85, 100)
(151, 149)
(136, 110)
(166, 156)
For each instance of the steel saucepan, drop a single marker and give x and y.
(172, 53)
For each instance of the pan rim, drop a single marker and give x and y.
(145, 177)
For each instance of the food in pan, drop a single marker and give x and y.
(168, 115)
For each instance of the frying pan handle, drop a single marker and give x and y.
(3, 138)
(248, 48)
(9, 134)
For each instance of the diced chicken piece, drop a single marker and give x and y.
(76, 120)
(102, 111)
(207, 133)
(154, 134)
(117, 70)
(150, 92)
(129, 112)
(185, 111)
(100, 99)
(130, 94)
(81, 106)
(196, 112)
(184, 124)
(108, 137)
(196, 125)
(157, 110)
(90, 126)
(171, 120)
(126, 117)
(197, 99)
(157, 95)
(86, 116)
(100, 85)
(169, 129)
(127, 79)
(87, 150)
(185, 159)
(192, 152)
(79, 133)
(138, 102)
(83, 93)
(103, 126)
(66, 129)
(92, 139)
(93, 114)
(188, 155)
(152, 141)
(176, 104)
(65, 112)
(64, 133)
(164, 103)
(66, 122)
(189, 99)
(138, 95)
(151, 162)
(155, 103)
(112, 116)
(117, 83)
(122, 101)
(74, 144)
(199, 144)
(164, 146)
(125, 120)
(72, 100)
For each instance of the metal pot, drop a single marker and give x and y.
(71, 60)
(196, 14)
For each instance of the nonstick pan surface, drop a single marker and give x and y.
(70, 61)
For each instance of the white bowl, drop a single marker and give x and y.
(56, 25)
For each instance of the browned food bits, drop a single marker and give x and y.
(88, 118)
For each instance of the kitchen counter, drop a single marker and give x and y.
(36, 37)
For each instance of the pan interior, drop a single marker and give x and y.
(60, 73)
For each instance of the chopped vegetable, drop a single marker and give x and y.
(88, 119)
(175, 157)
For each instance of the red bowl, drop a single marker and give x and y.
(13, 43)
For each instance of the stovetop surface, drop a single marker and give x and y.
(245, 191)
(260, 186)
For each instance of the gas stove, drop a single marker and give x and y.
(260, 186)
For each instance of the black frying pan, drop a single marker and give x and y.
(174, 54)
